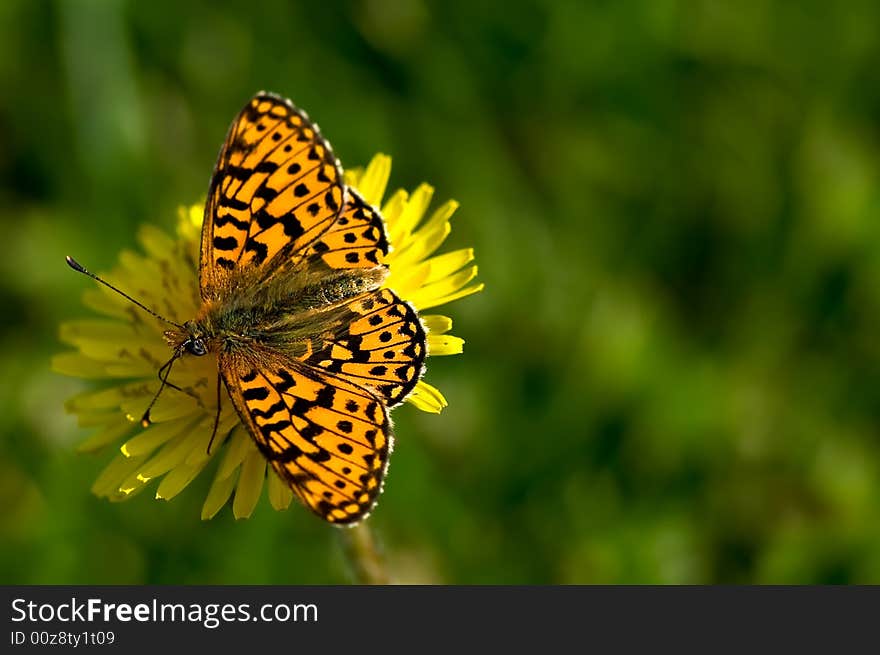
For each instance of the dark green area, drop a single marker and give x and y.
(673, 375)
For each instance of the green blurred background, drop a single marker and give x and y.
(672, 375)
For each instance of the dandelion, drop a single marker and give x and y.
(126, 347)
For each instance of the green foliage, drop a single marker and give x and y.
(672, 376)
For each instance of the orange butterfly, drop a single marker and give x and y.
(312, 350)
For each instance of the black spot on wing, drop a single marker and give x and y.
(292, 227)
(310, 431)
(289, 454)
(266, 166)
(277, 407)
(256, 393)
(220, 221)
(325, 397)
(231, 203)
(287, 381)
(260, 250)
(278, 426)
(225, 243)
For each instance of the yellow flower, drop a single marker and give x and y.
(126, 346)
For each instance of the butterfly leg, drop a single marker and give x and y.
(166, 368)
(217, 415)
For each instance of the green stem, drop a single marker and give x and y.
(365, 561)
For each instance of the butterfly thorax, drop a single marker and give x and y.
(285, 313)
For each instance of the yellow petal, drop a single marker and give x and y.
(115, 472)
(87, 419)
(448, 263)
(436, 323)
(441, 215)
(240, 446)
(392, 210)
(156, 242)
(445, 290)
(427, 398)
(132, 485)
(133, 369)
(434, 302)
(169, 456)
(444, 344)
(73, 332)
(154, 436)
(406, 281)
(171, 405)
(106, 304)
(375, 179)
(280, 494)
(250, 484)
(128, 489)
(228, 420)
(192, 220)
(113, 353)
(106, 398)
(77, 365)
(412, 213)
(352, 176)
(218, 495)
(113, 431)
(177, 480)
(421, 246)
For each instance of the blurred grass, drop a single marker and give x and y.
(672, 376)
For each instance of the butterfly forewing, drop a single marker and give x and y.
(276, 188)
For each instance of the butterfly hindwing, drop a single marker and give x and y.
(276, 188)
(381, 345)
(328, 438)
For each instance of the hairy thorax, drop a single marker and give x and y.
(285, 313)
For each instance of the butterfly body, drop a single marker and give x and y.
(311, 348)
(280, 315)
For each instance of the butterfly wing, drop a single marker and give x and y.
(276, 188)
(322, 419)
(379, 344)
(356, 240)
(328, 438)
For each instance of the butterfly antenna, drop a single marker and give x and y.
(75, 265)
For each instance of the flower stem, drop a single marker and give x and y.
(366, 563)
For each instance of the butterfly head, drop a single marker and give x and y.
(191, 339)
(195, 343)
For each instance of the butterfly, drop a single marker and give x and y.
(311, 348)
